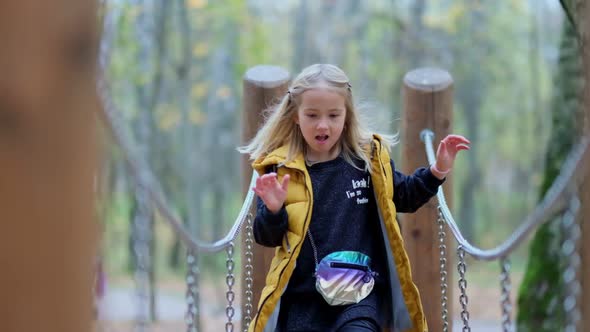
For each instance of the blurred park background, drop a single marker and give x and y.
(175, 68)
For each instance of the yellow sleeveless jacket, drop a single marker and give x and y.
(299, 204)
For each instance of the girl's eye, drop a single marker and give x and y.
(311, 115)
(334, 115)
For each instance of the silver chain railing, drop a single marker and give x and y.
(152, 193)
(569, 248)
(248, 274)
(148, 189)
(192, 292)
(443, 270)
(137, 165)
(144, 178)
(505, 303)
(463, 299)
(561, 198)
(230, 295)
(142, 236)
(554, 201)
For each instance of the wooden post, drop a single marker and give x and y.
(427, 103)
(48, 102)
(263, 86)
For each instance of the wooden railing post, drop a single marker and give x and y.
(48, 154)
(263, 85)
(427, 103)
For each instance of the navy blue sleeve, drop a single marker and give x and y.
(269, 228)
(410, 192)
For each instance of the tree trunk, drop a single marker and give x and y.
(543, 286)
(148, 96)
(300, 39)
(415, 31)
(583, 10)
(470, 99)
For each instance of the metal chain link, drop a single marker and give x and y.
(143, 218)
(463, 300)
(192, 292)
(141, 238)
(505, 286)
(569, 250)
(443, 270)
(230, 295)
(248, 274)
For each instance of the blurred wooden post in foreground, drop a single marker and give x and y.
(427, 103)
(47, 164)
(263, 86)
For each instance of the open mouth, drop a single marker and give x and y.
(322, 138)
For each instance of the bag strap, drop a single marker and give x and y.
(315, 249)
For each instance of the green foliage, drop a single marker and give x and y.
(542, 290)
(115, 234)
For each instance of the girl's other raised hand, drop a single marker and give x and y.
(447, 152)
(272, 193)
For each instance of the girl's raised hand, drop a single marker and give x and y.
(446, 153)
(272, 193)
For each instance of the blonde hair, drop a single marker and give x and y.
(280, 129)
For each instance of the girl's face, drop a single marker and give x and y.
(320, 117)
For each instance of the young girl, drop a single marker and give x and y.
(327, 199)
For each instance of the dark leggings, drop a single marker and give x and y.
(360, 325)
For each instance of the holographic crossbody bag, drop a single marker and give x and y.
(343, 277)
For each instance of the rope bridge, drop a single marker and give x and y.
(561, 199)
